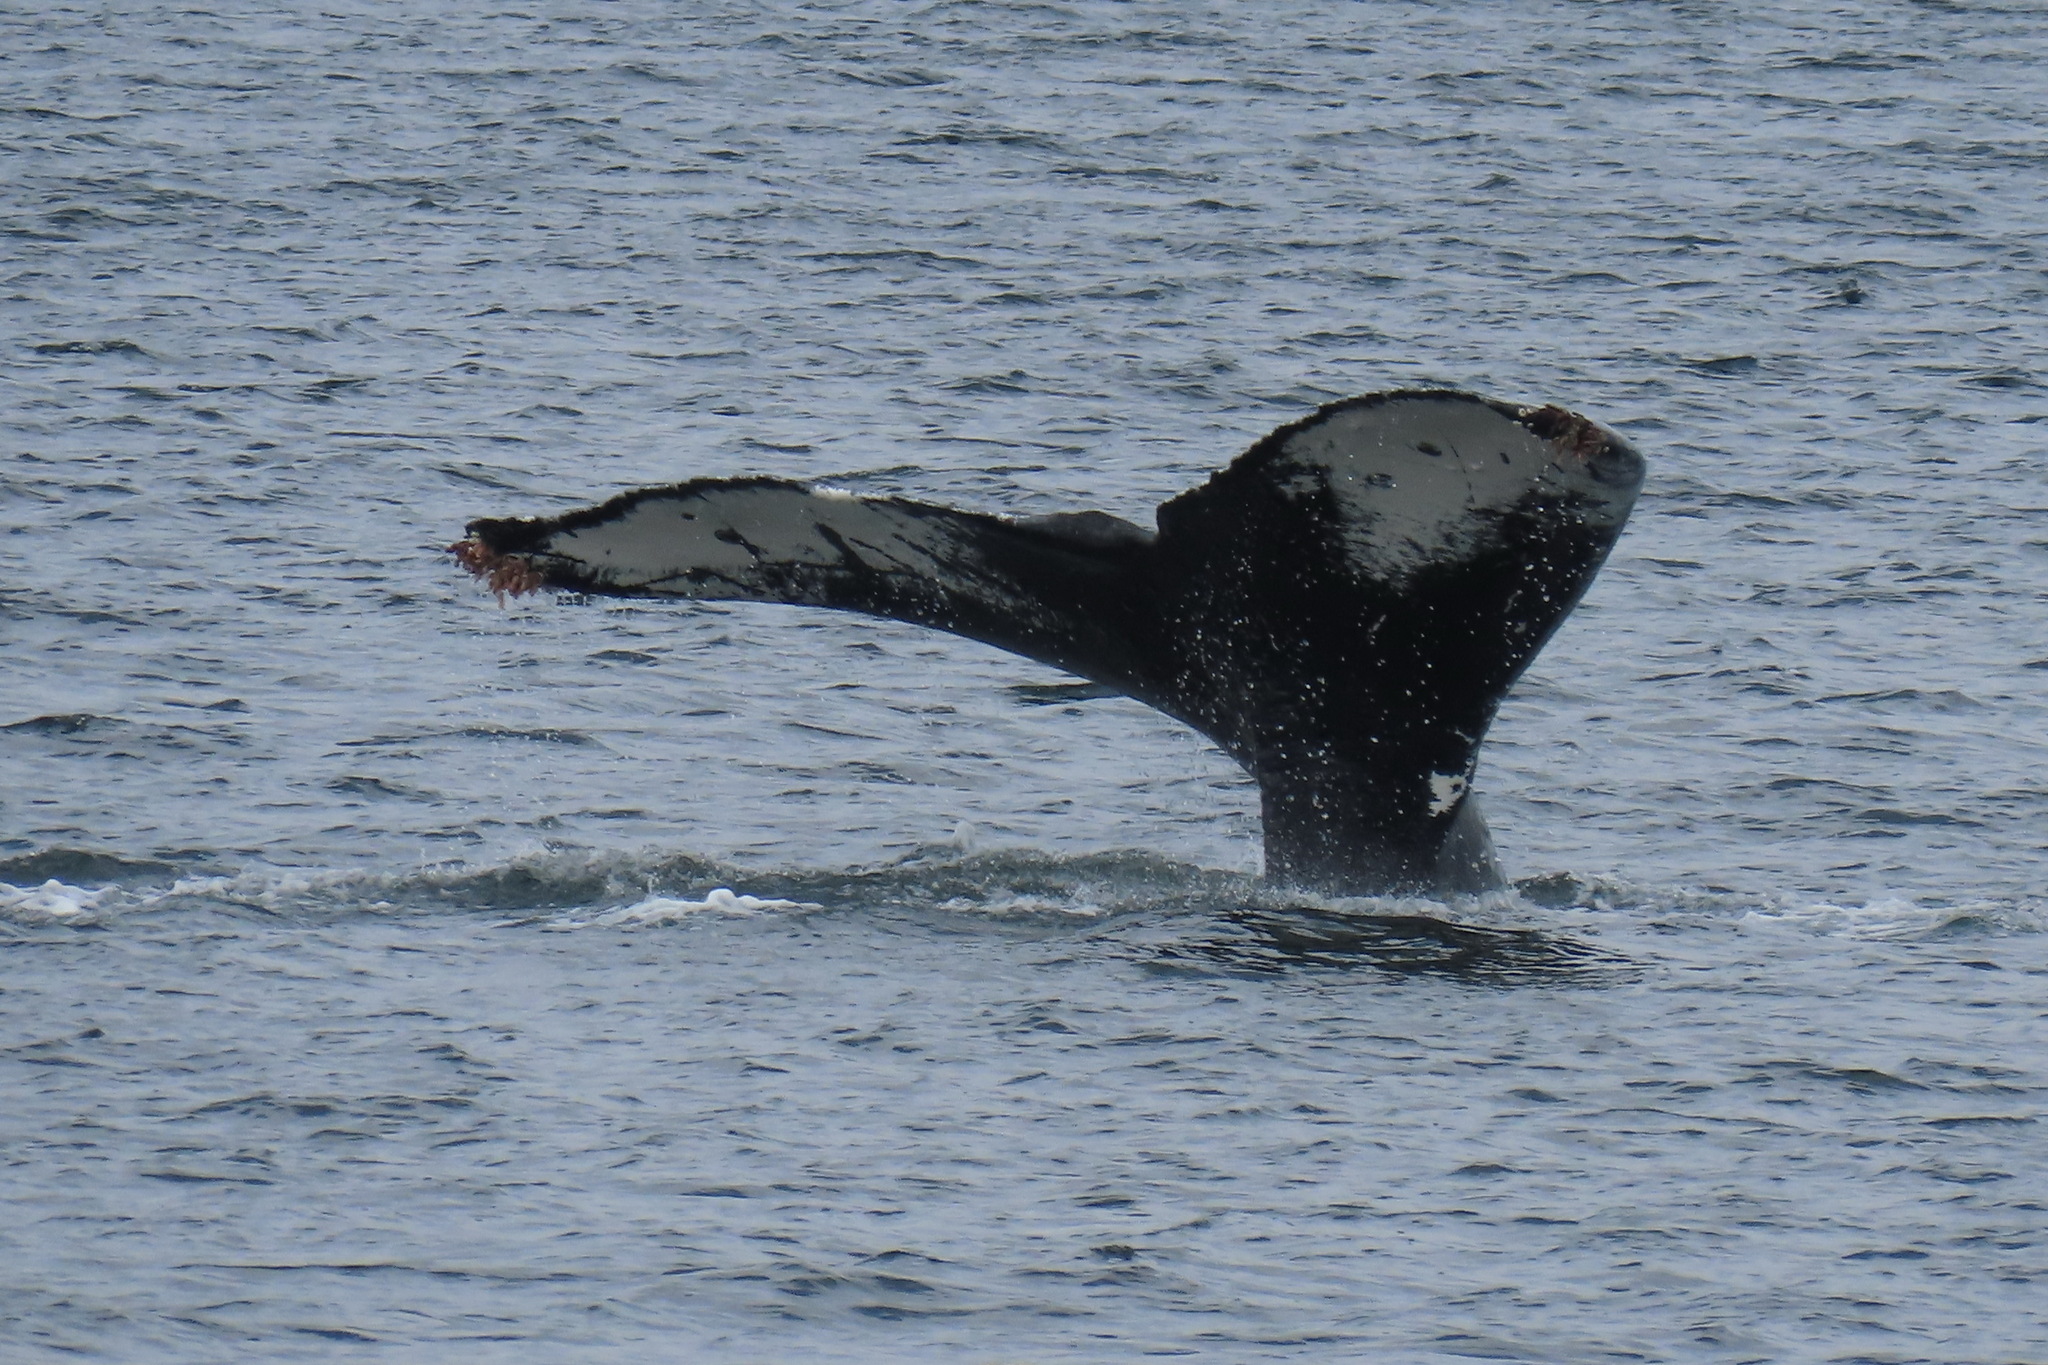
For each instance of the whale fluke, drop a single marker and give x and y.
(1341, 609)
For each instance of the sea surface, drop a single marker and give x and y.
(391, 974)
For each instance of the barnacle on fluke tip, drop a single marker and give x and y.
(506, 575)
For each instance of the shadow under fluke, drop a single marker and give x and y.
(1266, 940)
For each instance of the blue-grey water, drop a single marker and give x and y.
(363, 995)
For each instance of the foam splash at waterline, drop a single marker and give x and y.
(583, 891)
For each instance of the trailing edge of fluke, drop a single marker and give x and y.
(1341, 609)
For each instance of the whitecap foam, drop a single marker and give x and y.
(1024, 905)
(720, 900)
(52, 903)
(1894, 918)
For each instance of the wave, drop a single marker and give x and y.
(580, 889)
(573, 887)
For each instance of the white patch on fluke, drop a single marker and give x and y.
(713, 542)
(1445, 790)
(1416, 476)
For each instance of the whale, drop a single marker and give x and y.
(1341, 609)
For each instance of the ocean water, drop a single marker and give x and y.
(389, 974)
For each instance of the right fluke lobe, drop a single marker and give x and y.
(1366, 584)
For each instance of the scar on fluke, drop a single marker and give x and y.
(1341, 609)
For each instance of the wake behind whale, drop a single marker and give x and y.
(1341, 609)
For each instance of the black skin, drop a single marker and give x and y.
(1341, 696)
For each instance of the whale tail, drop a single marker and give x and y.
(1341, 609)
